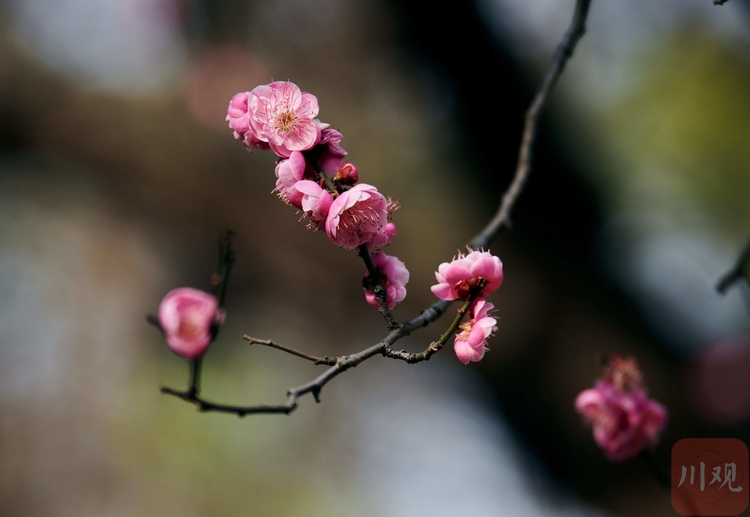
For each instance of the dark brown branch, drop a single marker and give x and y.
(720, 2)
(204, 405)
(501, 220)
(741, 269)
(330, 361)
(153, 319)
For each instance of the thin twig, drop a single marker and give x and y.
(204, 405)
(330, 361)
(195, 377)
(740, 269)
(482, 240)
(661, 474)
(501, 220)
(220, 280)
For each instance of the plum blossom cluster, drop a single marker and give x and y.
(624, 420)
(470, 278)
(313, 176)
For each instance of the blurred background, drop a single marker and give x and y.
(117, 174)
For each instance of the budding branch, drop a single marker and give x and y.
(397, 331)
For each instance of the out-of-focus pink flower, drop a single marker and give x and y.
(356, 216)
(284, 116)
(186, 316)
(331, 152)
(471, 343)
(624, 419)
(457, 278)
(289, 172)
(316, 202)
(239, 120)
(393, 275)
(382, 238)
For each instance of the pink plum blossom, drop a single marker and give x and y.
(393, 275)
(316, 202)
(356, 216)
(187, 316)
(382, 238)
(471, 343)
(289, 172)
(284, 116)
(238, 117)
(331, 153)
(457, 278)
(625, 421)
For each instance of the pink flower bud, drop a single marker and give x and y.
(457, 278)
(289, 172)
(284, 116)
(356, 216)
(624, 419)
(347, 174)
(186, 316)
(239, 120)
(383, 238)
(471, 343)
(393, 275)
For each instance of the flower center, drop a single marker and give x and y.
(464, 288)
(285, 121)
(360, 219)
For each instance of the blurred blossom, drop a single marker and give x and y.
(125, 46)
(718, 384)
(625, 421)
(215, 76)
(188, 317)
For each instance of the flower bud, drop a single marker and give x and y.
(187, 317)
(347, 174)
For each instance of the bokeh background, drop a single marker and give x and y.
(117, 173)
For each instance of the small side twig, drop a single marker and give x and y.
(204, 405)
(330, 361)
(741, 269)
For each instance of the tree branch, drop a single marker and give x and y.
(330, 361)
(500, 221)
(720, 2)
(741, 269)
